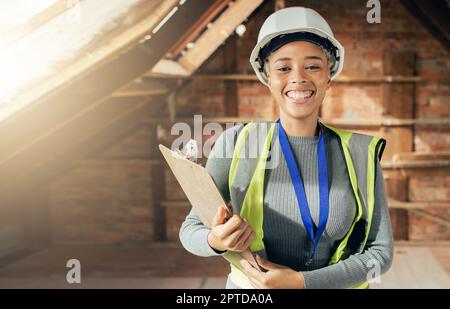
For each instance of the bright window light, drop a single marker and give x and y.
(35, 56)
(19, 11)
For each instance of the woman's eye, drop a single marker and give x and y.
(313, 67)
(283, 69)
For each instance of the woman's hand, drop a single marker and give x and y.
(234, 234)
(276, 277)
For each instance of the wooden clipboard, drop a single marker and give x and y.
(203, 195)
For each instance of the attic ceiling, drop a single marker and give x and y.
(87, 86)
(67, 44)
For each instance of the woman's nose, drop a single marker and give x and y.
(298, 77)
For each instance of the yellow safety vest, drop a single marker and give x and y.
(246, 184)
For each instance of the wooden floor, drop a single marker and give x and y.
(169, 266)
(418, 267)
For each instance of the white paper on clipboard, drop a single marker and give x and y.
(203, 195)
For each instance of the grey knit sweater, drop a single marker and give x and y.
(285, 237)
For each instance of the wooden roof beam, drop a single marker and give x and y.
(434, 15)
(217, 33)
(171, 67)
(29, 138)
(196, 28)
(142, 88)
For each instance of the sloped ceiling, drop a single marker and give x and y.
(63, 47)
(84, 95)
(74, 103)
(434, 15)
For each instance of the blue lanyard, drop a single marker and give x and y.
(314, 234)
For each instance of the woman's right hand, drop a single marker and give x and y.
(234, 234)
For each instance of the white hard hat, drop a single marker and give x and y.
(296, 20)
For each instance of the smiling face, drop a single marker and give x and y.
(298, 78)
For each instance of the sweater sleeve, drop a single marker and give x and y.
(193, 233)
(377, 255)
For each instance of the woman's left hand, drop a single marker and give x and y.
(276, 277)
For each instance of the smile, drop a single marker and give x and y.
(299, 96)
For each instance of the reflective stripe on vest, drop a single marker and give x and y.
(246, 183)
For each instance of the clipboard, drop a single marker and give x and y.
(203, 195)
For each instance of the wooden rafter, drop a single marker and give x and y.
(415, 164)
(217, 33)
(431, 216)
(26, 147)
(434, 15)
(142, 88)
(416, 205)
(170, 67)
(196, 28)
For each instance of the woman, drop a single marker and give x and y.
(317, 216)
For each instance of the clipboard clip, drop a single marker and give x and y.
(189, 151)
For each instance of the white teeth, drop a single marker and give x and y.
(296, 95)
